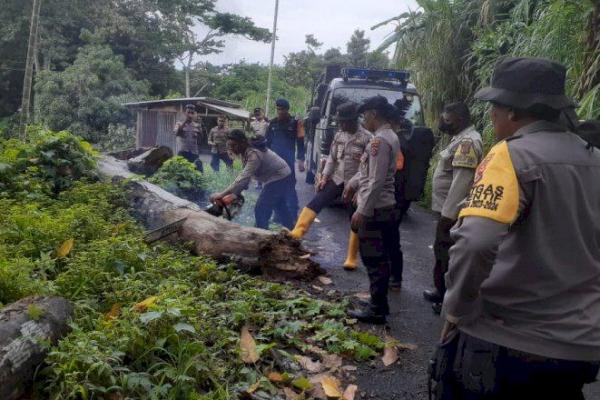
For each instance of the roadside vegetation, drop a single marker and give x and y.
(451, 47)
(151, 321)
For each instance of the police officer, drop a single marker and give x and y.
(285, 136)
(524, 277)
(342, 164)
(217, 139)
(188, 133)
(452, 180)
(260, 124)
(375, 217)
(264, 166)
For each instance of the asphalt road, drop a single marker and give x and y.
(411, 320)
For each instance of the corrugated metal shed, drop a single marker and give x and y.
(156, 118)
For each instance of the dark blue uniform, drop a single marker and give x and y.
(286, 139)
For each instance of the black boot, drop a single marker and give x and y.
(433, 296)
(368, 315)
(395, 284)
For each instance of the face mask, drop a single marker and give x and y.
(446, 128)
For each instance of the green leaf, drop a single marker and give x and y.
(302, 383)
(150, 316)
(183, 327)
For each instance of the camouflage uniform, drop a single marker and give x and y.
(188, 134)
(217, 139)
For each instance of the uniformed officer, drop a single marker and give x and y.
(217, 139)
(452, 181)
(260, 124)
(285, 136)
(188, 133)
(375, 217)
(266, 167)
(524, 277)
(347, 148)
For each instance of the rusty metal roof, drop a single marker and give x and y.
(185, 100)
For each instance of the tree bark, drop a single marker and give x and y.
(150, 161)
(23, 339)
(276, 255)
(28, 78)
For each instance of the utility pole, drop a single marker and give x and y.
(273, 39)
(28, 79)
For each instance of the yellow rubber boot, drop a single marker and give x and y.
(352, 258)
(305, 220)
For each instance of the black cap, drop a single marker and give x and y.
(190, 107)
(283, 103)
(380, 104)
(257, 110)
(347, 111)
(237, 135)
(527, 82)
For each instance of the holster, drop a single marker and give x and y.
(442, 382)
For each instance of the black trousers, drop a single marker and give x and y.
(378, 237)
(272, 198)
(326, 196)
(216, 158)
(441, 251)
(486, 371)
(396, 256)
(193, 158)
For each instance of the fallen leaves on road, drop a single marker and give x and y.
(253, 388)
(390, 354)
(248, 347)
(350, 392)
(363, 296)
(325, 280)
(290, 394)
(332, 361)
(390, 351)
(331, 386)
(276, 377)
(302, 383)
(308, 364)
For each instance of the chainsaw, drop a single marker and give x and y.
(228, 207)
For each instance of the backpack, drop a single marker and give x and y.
(590, 132)
(417, 148)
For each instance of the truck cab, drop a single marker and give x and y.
(339, 85)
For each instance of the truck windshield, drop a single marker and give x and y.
(359, 94)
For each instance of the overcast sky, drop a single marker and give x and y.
(331, 21)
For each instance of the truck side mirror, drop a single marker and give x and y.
(314, 115)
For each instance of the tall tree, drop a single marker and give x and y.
(88, 95)
(312, 43)
(216, 26)
(358, 49)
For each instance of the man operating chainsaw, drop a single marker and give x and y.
(266, 167)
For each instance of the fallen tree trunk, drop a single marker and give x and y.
(25, 329)
(150, 161)
(275, 254)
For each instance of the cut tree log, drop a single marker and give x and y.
(25, 329)
(150, 161)
(275, 254)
